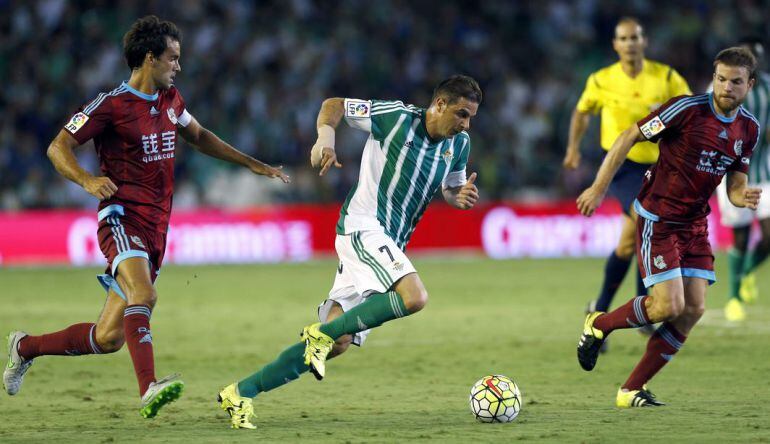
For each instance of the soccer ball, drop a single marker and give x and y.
(495, 398)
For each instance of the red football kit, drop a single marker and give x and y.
(135, 136)
(697, 148)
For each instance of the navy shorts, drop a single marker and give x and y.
(627, 183)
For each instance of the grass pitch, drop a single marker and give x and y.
(409, 382)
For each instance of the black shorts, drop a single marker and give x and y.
(627, 183)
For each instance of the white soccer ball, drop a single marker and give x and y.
(495, 398)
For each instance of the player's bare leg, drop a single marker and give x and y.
(106, 336)
(133, 276)
(108, 333)
(663, 345)
(412, 292)
(666, 301)
(695, 304)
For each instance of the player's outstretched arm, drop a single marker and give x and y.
(577, 129)
(209, 144)
(739, 193)
(592, 197)
(62, 156)
(323, 155)
(463, 197)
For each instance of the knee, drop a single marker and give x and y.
(341, 345)
(144, 295)
(416, 300)
(669, 308)
(109, 341)
(694, 311)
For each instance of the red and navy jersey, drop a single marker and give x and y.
(697, 148)
(135, 135)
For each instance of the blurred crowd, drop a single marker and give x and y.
(256, 72)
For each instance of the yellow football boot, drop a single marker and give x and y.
(748, 291)
(240, 409)
(317, 348)
(590, 342)
(636, 398)
(734, 311)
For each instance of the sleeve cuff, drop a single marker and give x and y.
(184, 119)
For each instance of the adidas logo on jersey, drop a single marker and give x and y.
(153, 111)
(409, 144)
(723, 134)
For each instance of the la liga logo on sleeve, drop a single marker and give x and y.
(357, 108)
(76, 122)
(653, 127)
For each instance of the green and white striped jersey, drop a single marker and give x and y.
(758, 103)
(401, 168)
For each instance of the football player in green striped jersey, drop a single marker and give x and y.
(410, 154)
(743, 262)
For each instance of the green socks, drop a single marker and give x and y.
(286, 368)
(735, 261)
(377, 309)
(753, 259)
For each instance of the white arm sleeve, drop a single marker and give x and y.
(358, 114)
(184, 119)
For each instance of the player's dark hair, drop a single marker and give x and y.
(456, 87)
(630, 19)
(737, 56)
(148, 34)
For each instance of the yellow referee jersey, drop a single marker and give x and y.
(623, 101)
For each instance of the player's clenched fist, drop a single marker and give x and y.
(589, 200)
(751, 197)
(571, 159)
(101, 187)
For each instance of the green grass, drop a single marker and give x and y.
(409, 382)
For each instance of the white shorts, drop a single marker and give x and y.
(370, 262)
(732, 216)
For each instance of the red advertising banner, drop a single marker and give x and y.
(300, 232)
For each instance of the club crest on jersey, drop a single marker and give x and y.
(738, 147)
(172, 116)
(653, 127)
(659, 262)
(76, 122)
(448, 155)
(357, 108)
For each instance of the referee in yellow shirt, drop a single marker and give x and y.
(624, 93)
